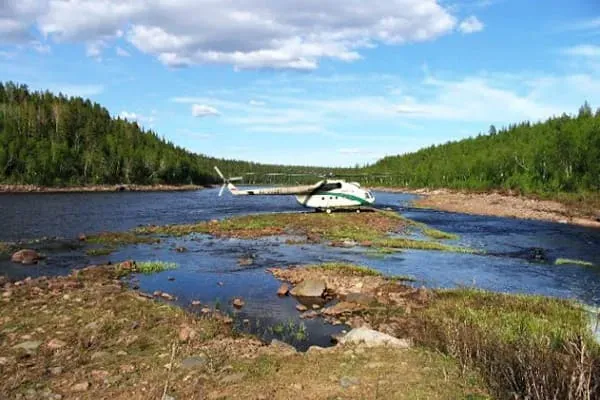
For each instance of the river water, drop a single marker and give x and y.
(519, 256)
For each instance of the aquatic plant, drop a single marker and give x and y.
(290, 330)
(120, 238)
(405, 243)
(568, 261)
(148, 267)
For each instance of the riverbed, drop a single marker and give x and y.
(519, 254)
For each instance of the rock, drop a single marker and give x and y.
(127, 265)
(309, 314)
(227, 320)
(186, 333)
(168, 397)
(26, 256)
(196, 303)
(309, 288)
(301, 307)
(372, 338)
(220, 283)
(171, 278)
(99, 374)
(348, 381)
(238, 303)
(127, 368)
(283, 290)
(282, 347)
(361, 298)
(56, 344)
(80, 387)
(205, 310)
(98, 355)
(157, 293)
(316, 306)
(4, 360)
(296, 386)
(341, 308)
(233, 378)
(180, 249)
(30, 346)
(82, 237)
(245, 261)
(55, 370)
(194, 362)
(167, 296)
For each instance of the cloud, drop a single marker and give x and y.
(256, 103)
(471, 25)
(583, 50)
(278, 34)
(40, 47)
(202, 110)
(129, 115)
(122, 52)
(75, 90)
(142, 119)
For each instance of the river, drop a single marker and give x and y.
(519, 256)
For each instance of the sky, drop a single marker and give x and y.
(310, 82)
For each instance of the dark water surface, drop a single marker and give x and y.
(520, 254)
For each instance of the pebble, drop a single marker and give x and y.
(55, 370)
(81, 387)
(238, 303)
(196, 303)
(301, 307)
(194, 362)
(348, 381)
(56, 344)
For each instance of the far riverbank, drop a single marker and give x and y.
(98, 188)
(502, 205)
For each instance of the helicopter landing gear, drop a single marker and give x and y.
(358, 210)
(328, 211)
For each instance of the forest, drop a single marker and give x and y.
(559, 155)
(54, 140)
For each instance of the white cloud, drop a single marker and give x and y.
(75, 90)
(94, 49)
(121, 52)
(40, 47)
(202, 110)
(282, 34)
(129, 115)
(471, 25)
(140, 118)
(583, 50)
(256, 103)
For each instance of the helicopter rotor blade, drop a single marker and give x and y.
(221, 191)
(220, 173)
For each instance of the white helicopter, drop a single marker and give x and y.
(325, 195)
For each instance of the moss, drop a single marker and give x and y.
(568, 261)
(6, 248)
(405, 243)
(148, 267)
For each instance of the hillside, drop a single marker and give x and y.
(560, 155)
(54, 140)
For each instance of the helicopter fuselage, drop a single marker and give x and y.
(337, 194)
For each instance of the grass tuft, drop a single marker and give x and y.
(100, 251)
(568, 261)
(347, 269)
(148, 267)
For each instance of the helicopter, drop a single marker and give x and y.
(326, 195)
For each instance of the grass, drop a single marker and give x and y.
(290, 330)
(346, 269)
(568, 261)
(149, 267)
(100, 251)
(405, 243)
(6, 248)
(120, 239)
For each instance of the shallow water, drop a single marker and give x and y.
(519, 254)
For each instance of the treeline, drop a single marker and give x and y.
(54, 140)
(561, 154)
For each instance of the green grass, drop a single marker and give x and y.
(120, 239)
(568, 261)
(100, 251)
(290, 330)
(405, 243)
(347, 269)
(6, 248)
(148, 267)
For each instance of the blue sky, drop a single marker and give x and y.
(310, 82)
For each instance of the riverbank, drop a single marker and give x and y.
(88, 334)
(505, 205)
(98, 188)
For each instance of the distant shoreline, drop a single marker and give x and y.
(500, 205)
(8, 189)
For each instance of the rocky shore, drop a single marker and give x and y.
(97, 188)
(502, 205)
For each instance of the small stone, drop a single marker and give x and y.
(186, 333)
(196, 302)
(238, 302)
(348, 381)
(180, 249)
(194, 362)
(82, 237)
(99, 374)
(282, 347)
(309, 314)
(227, 320)
(99, 355)
(127, 368)
(80, 387)
(55, 370)
(205, 310)
(56, 344)
(283, 290)
(233, 378)
(316, 306)
(171, 278)
(121, 353)
(296, 386)
(220, 283)
(301, 307)
(246, 321)
(7, 294)
(167, 296)
(4, 360)
(168, 397)
(30, 346)
(157, 293)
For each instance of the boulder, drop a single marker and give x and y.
(372, 338)
(282, 347)
(309, 288)
(26, 257)
(361, 298)
(301, 307)
(238, 303)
